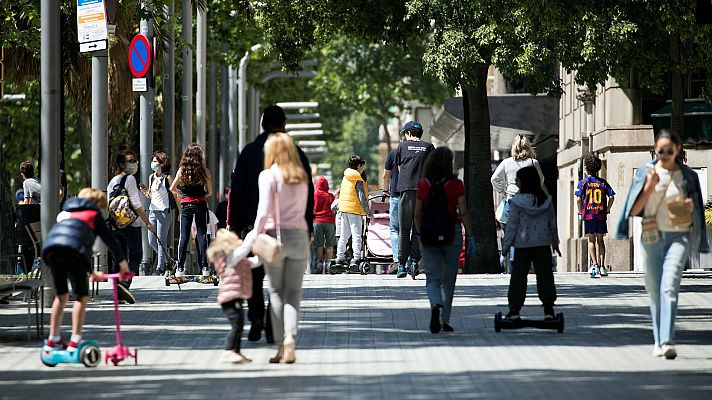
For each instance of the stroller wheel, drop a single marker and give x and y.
(365, 268)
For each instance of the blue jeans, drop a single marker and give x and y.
(132, 244)
(664, 262)
(395, 201)
(199, 211)
(161, 219)
(441, 264)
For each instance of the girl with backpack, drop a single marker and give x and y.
(162, 201)
(531, 231)
(440, 210)
(193, 183)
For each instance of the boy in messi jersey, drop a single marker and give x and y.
(594, 199)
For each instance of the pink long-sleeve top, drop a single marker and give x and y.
(292, 202)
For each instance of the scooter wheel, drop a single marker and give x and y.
(90, 356)
(215, 281)
(47, 363)
(168, 282)
(497, 320)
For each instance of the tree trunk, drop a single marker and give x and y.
(478, 170)
(677, 116)
(387, 137)
(84, 127)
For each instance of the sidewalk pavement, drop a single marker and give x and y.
(366, 337)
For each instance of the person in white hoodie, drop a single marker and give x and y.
(531, 231)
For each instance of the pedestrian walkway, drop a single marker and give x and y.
(367, 338)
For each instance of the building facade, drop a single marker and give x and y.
(615, 124)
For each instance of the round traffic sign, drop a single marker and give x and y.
(139, 56)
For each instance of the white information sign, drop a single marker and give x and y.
(92, 46)
(91, 21)
(140, 85)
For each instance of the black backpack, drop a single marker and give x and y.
(171, 200)
(437, 226)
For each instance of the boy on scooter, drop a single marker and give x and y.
(67, 251)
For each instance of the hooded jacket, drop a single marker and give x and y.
(530, 225)
(353, 195)
(322, 202)
(76, 228)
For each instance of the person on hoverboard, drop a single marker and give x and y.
(531, 230)
(67, 251)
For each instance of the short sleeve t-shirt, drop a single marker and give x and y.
(410, 157)
(393, 167)
(454, 189)
(594, 193)
(32, 189)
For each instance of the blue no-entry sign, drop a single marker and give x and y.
(139, 56)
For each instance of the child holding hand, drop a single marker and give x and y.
(229, 256)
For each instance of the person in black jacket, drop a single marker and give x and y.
(244, 197)
(67, 251)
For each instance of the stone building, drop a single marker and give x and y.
(616, 124)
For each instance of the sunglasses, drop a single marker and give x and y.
(668, 151)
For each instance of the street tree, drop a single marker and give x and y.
(375, 78)
(464, 40)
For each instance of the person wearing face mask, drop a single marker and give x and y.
(125, 166)
(667, 194)
(159, 212)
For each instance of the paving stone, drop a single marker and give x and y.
(367, 337)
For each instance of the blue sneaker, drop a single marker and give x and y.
(401, 272)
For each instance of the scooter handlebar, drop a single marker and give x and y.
(106, 277)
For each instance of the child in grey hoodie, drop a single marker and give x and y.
(531, 230)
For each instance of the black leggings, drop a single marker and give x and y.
(540, 257)
(233, 312)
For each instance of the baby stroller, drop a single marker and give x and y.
(377, 243)
(376, 236)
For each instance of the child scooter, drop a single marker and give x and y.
(88, 352)
(119, 352)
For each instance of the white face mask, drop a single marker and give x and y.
(154, 166)
(131, 168)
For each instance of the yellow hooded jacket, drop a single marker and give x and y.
(348, 198)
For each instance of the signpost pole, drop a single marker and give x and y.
(187, 123)
(146, 139)
(49, 123)
(200, 112)
(169, 94)
(225, 168)
(212, 134)
(99, 123)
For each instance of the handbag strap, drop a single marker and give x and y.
(276, 209)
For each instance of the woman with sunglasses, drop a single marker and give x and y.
(666, 193)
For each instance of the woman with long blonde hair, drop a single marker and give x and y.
(283, 189)
(193, 184)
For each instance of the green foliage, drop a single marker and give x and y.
(358, 135)
(373, 78)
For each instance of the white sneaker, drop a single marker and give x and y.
(603, 270)
(206, 272)
(593, 271)
(179, 273)
(669, 351)
(657, 351)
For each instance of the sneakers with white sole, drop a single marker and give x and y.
(603, 270)
(657, 351)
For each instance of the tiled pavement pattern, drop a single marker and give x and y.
(367, 338)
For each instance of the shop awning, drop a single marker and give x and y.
(698, 120)
(510, 115)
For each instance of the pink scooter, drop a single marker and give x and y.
(119, 352)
